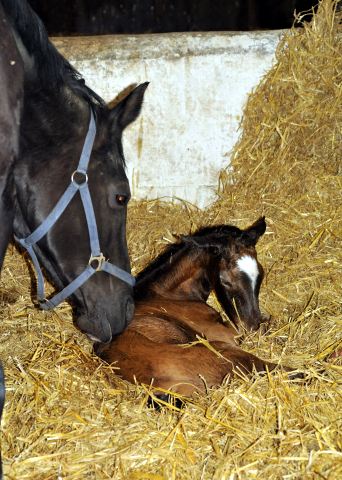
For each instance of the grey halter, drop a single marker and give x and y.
(51, 219)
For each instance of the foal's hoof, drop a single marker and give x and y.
(164, 397)
(297, 376)
(294, 374)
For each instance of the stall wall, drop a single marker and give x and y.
(189, 123)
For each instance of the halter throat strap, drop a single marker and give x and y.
(52, 218)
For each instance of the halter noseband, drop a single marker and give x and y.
(51, 219)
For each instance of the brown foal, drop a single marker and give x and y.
(171, 313)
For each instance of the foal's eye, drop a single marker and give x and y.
(226, 283)
(122, 199)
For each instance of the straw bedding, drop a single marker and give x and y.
(68, 416)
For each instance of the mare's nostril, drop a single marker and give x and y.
(130, 309)
(96, 327)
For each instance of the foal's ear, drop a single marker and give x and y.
(252, 234)
(126, 111)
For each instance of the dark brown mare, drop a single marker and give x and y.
(171, 312)
(47, 138)
(55, 120)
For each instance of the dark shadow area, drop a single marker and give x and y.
(12, 298)
(33, 275)
(102, 17)
(34, 282)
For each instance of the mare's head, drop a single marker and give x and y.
(233, 270)
(55, 121)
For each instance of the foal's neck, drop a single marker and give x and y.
(185, 276)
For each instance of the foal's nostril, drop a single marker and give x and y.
(130, 309)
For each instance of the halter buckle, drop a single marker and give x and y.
(100, 259)
(46, 305)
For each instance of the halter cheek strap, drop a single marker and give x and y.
(52, 218)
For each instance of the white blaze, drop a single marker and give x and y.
(249, 266)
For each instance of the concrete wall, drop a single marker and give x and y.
(192, 108)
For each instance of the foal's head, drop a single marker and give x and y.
(233, 269)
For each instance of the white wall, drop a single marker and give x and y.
(192, 108)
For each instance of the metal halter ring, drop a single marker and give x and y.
(86, 175)
(100, 259)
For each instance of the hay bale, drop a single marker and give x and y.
(68, 416)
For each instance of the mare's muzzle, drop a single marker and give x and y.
(97, 329)
(100, 326)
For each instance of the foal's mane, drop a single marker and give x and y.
(52, 69)
(161, 260)
(218, 232)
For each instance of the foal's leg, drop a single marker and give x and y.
(245, 362)
(177, 368)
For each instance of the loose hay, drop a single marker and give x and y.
(68, 416)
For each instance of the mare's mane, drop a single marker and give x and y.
(53, 71)
(218, 232)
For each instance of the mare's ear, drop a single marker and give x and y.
(126, 111)
(252, 234)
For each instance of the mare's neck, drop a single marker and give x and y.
(185, 276)
(54, 123)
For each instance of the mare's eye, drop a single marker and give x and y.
(226, 283)
(122, 199)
